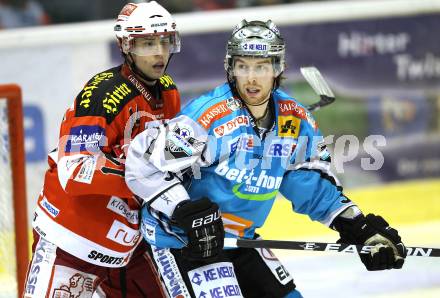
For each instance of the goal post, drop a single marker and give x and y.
(14, 243)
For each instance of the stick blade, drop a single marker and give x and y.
(316, 80)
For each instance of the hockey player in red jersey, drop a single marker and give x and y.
(86, 223)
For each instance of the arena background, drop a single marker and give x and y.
(382, 59)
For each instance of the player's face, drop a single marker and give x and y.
(151, 54)
(254, 78)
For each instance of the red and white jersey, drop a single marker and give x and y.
(85, 207)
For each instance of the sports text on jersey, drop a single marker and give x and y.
(106, 259)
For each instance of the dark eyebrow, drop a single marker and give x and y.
(260, 62)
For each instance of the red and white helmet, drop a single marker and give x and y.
(142, 20)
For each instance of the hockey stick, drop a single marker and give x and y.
(321, 246)
(319, 85)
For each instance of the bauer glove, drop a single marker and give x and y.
(388, 251)
(202, 222)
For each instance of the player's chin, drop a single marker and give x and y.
(255, 100)
(155, 74)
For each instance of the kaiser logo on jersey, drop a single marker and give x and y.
(289, 107)
(214, 113)
(85, 138)
(231, 125)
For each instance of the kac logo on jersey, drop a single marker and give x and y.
(85, 138)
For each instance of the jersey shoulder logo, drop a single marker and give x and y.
(290, 107)
(288, 126)
(104, 95)
(167, 83)
(218, 111)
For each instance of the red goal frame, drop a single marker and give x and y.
(12, 94)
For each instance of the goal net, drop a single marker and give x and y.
(13, 222)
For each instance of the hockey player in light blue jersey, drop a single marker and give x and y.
(216, 169)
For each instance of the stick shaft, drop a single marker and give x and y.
(321, 246)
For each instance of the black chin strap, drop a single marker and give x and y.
(130, 62)
(256, 104)
(136, 70)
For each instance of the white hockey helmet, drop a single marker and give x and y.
(140, 20)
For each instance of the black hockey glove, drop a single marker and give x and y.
(388, 252)
(202, 222)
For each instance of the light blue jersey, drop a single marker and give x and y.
(240, 166)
